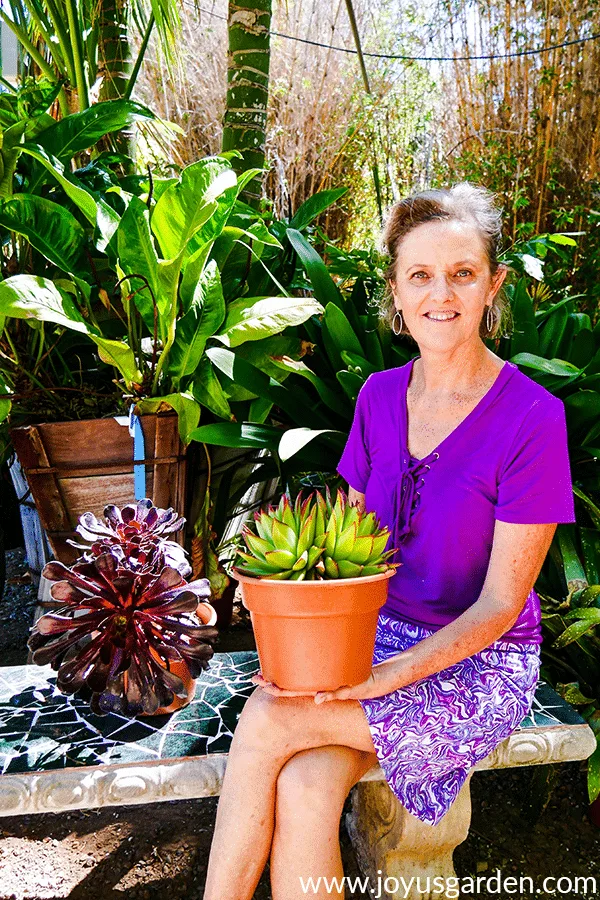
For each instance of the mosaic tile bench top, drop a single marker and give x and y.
(41, 729)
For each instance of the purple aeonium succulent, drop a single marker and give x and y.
(136, 535)
(114, 634)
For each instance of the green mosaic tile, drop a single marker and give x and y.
(41, 729)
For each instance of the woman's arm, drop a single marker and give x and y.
(518, 553)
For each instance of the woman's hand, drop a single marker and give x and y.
(382, 680)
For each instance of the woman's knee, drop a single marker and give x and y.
(264, 722)
(317, 781)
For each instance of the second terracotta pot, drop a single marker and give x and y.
(208, 616)
(315, 635)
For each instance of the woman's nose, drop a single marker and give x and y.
(440, 287)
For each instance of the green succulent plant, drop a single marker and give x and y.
(313, 539)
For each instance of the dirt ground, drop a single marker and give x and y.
(146, 852)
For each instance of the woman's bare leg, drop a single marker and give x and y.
(311, 790)
(270, 731)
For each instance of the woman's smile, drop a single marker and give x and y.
(441, 316)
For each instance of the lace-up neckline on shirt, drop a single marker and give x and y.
(413, 470)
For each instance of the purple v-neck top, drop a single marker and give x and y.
(506, 460)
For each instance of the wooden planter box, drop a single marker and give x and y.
(73, 467)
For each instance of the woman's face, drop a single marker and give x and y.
(442, 284)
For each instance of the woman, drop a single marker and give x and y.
(465, 459)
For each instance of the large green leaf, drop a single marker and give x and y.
(52, 230)
(325, 288)
(576, 631)
(590, 545)
(551, 366)
(188, 204)
(139, 262)
(341, 334)
(552, 333)
(314, 206)
(330, 398)
(267, 353)
(239, 434)
(294, 402)
(121, 356)
(593, 773)
(204, 318)
(573, 570)
(5, 403)
(525, 335)
(81, 130)
(32, 297)
(207, 390)
(184, 404)
(593, 510)
(253, 318)
(295, 439)
(79, 196)
(582, 409)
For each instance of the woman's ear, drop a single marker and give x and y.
(392, 285)
(498, 278)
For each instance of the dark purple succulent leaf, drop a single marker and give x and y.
(85, 577)
(113, 514)
(112, 698)
(200, 587)
(191, 629)
(168, 580)
(78, 546)
(151, 518)
(175, 556)
(91, 529)
(106, 565)
(55, 571)
(183, 601)
(128, 514)
(47, 648)
(172, 683)
(67, 593)
(168, 522)
(70, 675)
(55, 623)
(137, 686)
(198, 664)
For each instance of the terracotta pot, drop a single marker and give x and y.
(208, 616)
(315, 635)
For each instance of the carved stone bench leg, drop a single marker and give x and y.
(390, 843)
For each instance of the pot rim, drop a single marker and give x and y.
(329, 583)
(213, 615)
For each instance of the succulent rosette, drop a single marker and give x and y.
(115, 632)
(314, 539)
(136, 535)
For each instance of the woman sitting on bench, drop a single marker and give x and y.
(465, 459)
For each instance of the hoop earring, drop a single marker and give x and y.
(397, 318)
(489, 319)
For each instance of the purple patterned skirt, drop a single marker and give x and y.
(429, 734)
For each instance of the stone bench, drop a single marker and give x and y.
(56, 755)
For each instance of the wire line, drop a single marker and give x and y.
(490, 56)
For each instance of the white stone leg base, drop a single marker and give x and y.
(390, 843)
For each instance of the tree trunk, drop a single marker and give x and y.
(114, 66)
(248, 88)
(114, 57)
